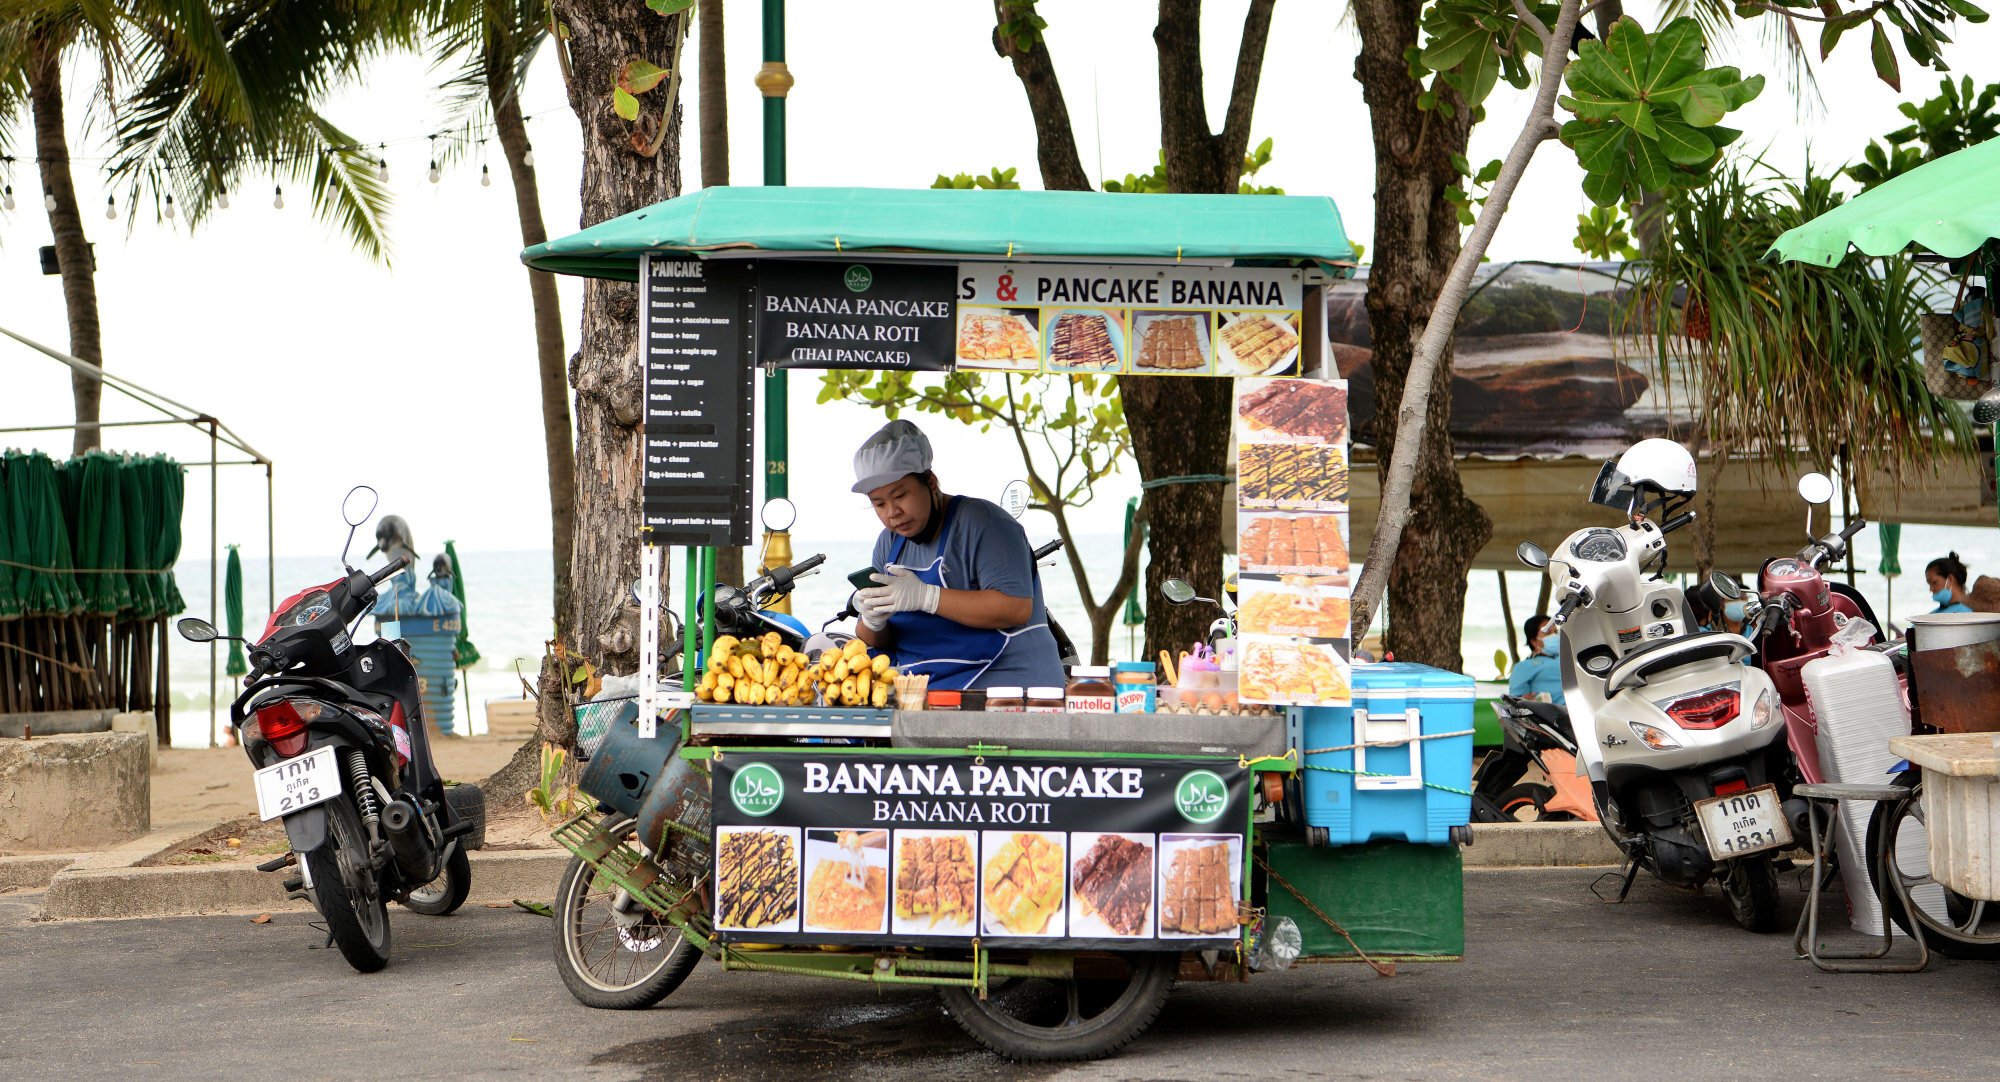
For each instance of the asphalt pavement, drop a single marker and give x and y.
(1555, 985)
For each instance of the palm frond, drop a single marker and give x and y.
(346, 192)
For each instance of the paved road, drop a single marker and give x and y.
(1556, 985)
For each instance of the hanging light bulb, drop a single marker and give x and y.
(7, 201)
(222, 199)
(278, 201)
(48, 199)
(485, 177)
(170, 208)
(382, 164)
(110, 208)
(528, 158)
(436, 175)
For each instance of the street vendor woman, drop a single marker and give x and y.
(958, 596)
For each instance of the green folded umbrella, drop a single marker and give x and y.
(1951, 206)
(466, 653)
(33, 498)
(232, 613)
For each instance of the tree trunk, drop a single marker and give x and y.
(556, 435)
(713, 103)
(1416, 240)
(73, 256)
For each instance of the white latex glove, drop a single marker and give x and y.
(873, 615)
(901, 591)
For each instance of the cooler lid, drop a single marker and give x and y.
(1408, 680)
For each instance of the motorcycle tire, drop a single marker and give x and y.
(1038, 1021)
(607, 985)
(1953, 940)
(1525, 803)
(1750, 886)
(443, 895)
(357, 919)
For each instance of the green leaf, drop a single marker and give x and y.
(1604, 189)
(1450, 49)
(1650, 166)
(1683, 145)
(1969, 12)
(625, 105)
(1675, 55)
(1479, 76)
(1884, 56)
(640, 76)
(670, 7)
(1704, 105)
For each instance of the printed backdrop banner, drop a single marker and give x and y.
(1053, 853)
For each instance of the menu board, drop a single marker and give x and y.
(1123, 854)
(1148, 320)
(694, 326)
(817, 314)
(1293, 583)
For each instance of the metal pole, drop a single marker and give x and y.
(1507, 617)
(214, 530)
(774, 81)
(270, 542)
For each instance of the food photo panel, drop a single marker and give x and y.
(936, 883)
(1294, 544)
(1292, 672)
(1000, 339)
(1021, 883)
(847, 880)
(1201, 877)
(1084, 339)
(757, 879)
(1291, 411)
(1305, 606)
(1257, 344)
(1171, 343)
(1291, 477)
(1111, 886)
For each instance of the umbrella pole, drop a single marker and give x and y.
(214, 529)
(163, 707)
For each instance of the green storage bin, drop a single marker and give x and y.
(1399, 901)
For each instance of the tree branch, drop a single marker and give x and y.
(1185, 141)
(1243, 94)
(1393, 512)
(1055, 142)
(1540, 28)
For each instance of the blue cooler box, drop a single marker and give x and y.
(1393, 701)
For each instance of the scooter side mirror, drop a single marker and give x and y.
(358, 505)
(1724, 586)
(1986, 411)
(779, 515)
(1177, 591)
(195, 629)
(1816, 489)
(1531, 554)
(1015, 498)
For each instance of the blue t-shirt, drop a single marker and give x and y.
(1956, 606)
(988, 550)
(1538, 674)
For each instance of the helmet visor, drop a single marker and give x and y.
(1612, 488)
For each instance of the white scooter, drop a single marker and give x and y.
(1682, 743)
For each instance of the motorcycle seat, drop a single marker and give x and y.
(1635, 668)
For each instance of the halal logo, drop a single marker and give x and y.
(858, 278)
(1201, 797)
(757, 790)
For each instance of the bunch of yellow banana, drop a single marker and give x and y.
(766, 672)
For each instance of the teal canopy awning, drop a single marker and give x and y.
(1084, 226)
(1950, 206)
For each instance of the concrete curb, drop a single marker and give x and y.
(34, 872)
(1540, 845)
(81, 892)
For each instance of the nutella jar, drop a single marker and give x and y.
(1042, 700)
(1005, 700)
(1090, 691)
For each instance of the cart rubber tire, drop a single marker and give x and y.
(347, 916)
(1119, 1025)
(1750, 886)
(644, 989)
(457, 876)
(1525, 795)
(1881, 837)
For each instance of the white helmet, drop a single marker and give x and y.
(1655, 467)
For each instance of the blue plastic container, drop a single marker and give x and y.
(1394, 791)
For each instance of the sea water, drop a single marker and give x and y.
(508, 606)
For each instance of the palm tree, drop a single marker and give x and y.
(493, 42)
(206, 93)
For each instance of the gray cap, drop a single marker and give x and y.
(895, 451)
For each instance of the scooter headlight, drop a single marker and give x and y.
(1654, 738)
(1763, 712)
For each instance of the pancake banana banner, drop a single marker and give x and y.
(1052, 853)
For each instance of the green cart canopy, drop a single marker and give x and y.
(1006, 224)
(1950, 206)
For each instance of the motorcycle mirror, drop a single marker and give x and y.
(638, 591)
(1987, 410)
(354, 510)
(1015, 498)
(1724, 586)
(195, 629)
(779, 515)
(1816, 488)
(1177, 591)
(1531, 554)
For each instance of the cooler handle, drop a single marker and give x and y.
(1388, 732)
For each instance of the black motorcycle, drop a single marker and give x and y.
(337, 733)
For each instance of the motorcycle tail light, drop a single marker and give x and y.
(1731, 787)
(1704, 710)
(283, 723)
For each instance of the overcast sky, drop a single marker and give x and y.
(419, 378)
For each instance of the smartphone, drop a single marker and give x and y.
(863, 579)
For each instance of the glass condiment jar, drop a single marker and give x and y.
(941, 700)
(1090, 691)
(972, 699)
(1044, 700)
(1135, 683)
(1006, 700)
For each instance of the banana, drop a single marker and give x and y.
(880, 664)
(861, 680)
(839, 673)
(723, 645)
(735, 666)
(724, 681)
(880, 698)
(723, 694)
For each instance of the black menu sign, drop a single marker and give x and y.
(695, 327)
(835, 314)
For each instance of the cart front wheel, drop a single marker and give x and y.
(1090, 1017)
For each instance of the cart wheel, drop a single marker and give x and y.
(613, 958)
(1089, 1018)
(1969, 928)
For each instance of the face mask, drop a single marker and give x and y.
(1942, 595)
(1734, 611)
(1551, 644)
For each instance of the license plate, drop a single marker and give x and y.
(1743, 823)
(297, 783)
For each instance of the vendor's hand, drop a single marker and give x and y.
(873, 615)
(901, 591)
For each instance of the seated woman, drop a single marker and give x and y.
(1946, 577)
(1540, 673)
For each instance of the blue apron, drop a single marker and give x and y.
(950, 653)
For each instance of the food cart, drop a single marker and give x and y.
(1051, 867)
